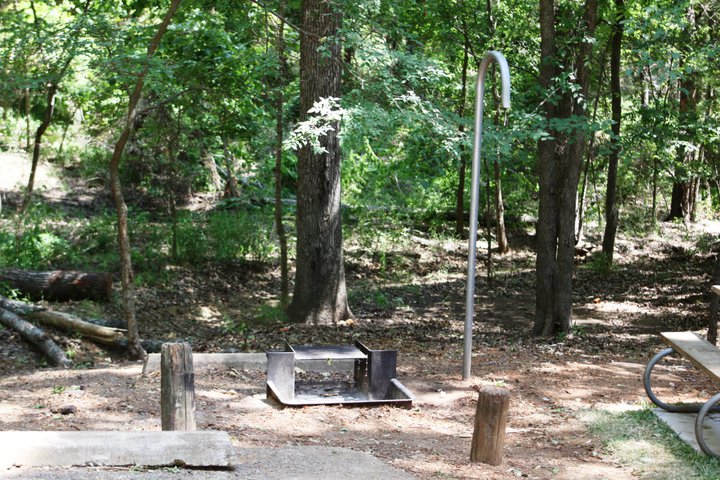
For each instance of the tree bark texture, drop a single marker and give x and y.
(59, 285)
(686, 185)
(38, 337)
(490, 421)
(560, 161)
(126, 272)
(279, 121)
(320, 295)
(177, 387)
(611, 207)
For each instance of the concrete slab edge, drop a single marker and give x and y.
(248, 361)
(204, 448)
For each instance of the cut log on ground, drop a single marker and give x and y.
(490, 420)
(38, 337)
(59, 285)
(98, 333)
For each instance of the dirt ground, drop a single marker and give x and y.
(409, 298)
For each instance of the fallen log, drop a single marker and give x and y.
(38, 337)
(98, 333)
(59, 285)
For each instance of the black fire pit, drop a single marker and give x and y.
(373, 381)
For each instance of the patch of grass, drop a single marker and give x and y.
(638, 439)
(270, 314)
(600, 264)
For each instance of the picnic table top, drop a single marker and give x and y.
(695, 348)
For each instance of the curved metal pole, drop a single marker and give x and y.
(472, 239)
(699, 433)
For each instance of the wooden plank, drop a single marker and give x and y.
(196, 449)
(699, 351)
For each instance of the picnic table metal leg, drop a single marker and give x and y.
(682, 408)
(699, 434)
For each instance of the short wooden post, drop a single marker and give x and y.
(177, 387)
(490, 421)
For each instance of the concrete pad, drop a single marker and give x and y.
(684, 425)
(249, 361)
(197, 449)
(314, 463)
(287, 463)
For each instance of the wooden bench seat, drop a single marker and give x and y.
(695, 348)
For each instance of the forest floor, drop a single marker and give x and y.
(407, 293)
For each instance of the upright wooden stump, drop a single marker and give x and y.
(490, 421)
(177, 387)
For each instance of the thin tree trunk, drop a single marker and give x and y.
(65, 130)
(28, 144)
(126, 273)
(488, 221)
(654, 190)
(52, 88)
(611, 208)
(580, 220)
(460, 192)
(49, 110)
(320, 295)
(279, 104)
(500, 230)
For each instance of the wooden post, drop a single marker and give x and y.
(490, 420)
(177, 387)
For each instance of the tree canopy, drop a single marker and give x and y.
(207, 120)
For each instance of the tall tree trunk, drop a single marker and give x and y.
(126, 272)
(547, 226)
(320, 295)
(279, 104)
(682, 202)
(611, 208)
(49, 111)
(460, 192)
(560, 161)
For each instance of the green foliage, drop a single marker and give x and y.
(600, 264)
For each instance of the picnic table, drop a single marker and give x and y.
(706, 357)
